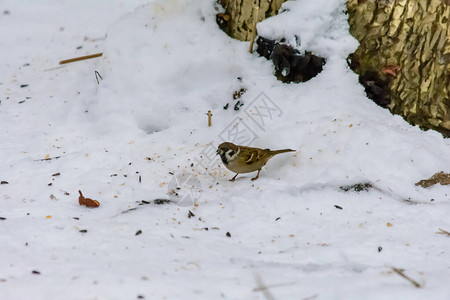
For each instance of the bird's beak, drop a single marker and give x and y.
(218, 152)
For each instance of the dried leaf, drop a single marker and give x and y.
(441, 177)
(87, 201)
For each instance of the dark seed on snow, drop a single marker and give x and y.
(23, 85)
(338, 207)
(83, 230)
(4, 182)
(35, 272)
(56, 174)
(138, 232)
(228, 234)
(2, 218)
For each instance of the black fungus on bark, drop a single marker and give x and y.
(290, 65)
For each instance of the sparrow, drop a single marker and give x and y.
(242, 159)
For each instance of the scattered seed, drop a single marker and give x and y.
(190, 214)
(380, 248)
(226, 106)
(171, 173)
(2, 218)
(20, 102)
(228, 234)
(23, 85)
(145, 202)
(4, 182)
(338, 207)
(50, 184)
(112, 175)
(75, 218)
(277, 219)
(141, 297)
(35, 272)
(56, 174)
(140, 178)
(138, 232)
(83, 230)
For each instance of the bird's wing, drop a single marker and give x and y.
(254, 155)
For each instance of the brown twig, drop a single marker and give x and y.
(71, 60)
(400, 272)
(209, 118)
(442, 231)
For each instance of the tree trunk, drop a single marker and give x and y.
(237, 21)
(405, 50)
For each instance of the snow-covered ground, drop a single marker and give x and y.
(141, 134)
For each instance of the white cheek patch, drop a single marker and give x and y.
(231, 157)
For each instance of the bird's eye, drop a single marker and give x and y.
(231, 153)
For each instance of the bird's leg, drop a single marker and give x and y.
(257, 175)
(234, 178)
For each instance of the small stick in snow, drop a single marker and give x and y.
(262, 287)
(255, 21)
(47, 158)
(400, 272)
(71, 60)
(209, 118)
(442, 231)
(97, 75)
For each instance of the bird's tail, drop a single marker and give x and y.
(275, 152)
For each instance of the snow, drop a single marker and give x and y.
(130, 137)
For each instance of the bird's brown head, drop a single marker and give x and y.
(228, 152)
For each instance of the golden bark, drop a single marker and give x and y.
(407, 44)
(237, 21)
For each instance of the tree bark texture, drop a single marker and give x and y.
(237, 21)
(406, 43)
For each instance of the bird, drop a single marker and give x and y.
(243, 159)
